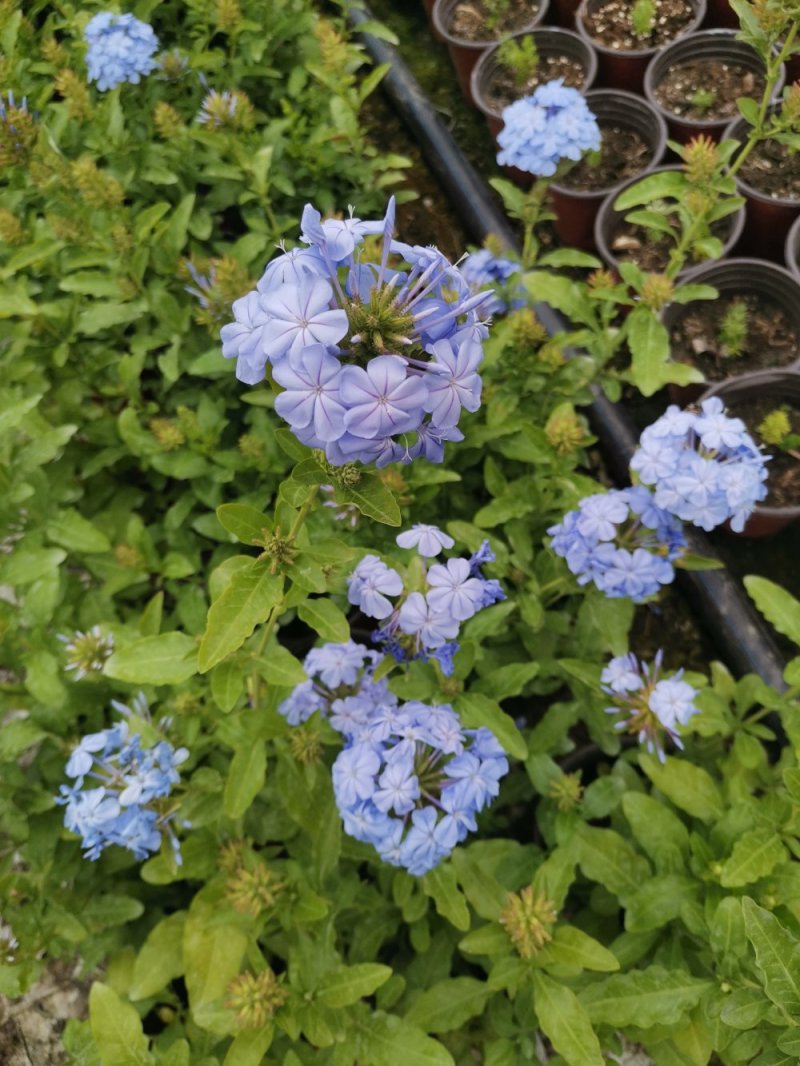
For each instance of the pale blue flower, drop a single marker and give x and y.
(119, 49)
(428, 540)
(540, 130)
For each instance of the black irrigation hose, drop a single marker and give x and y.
(717, 598)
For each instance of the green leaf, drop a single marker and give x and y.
(27, 565)
(245, 778)
(658, 901)
(441, 885)
(448, 1004)
(250, 1046)
(483, 891)
(325, 618)
(726, 929)
(689, 787)
(107, 910)
(166, 659)
(477, 710)
(227, 684)
(789, 1042)
(648, 341)
(653, 187)
(279, 667)
(754, 855)
(212, 951)
(573, 947)
(506, 681)
(777, 955)
(73, 532)
(117, 1029)
(653, 996)
(160, 958)
(245, 523)
(607, 858)
(490, 939)
(99, 316)
(745, 1008)
(776, 604)
(247, 601)
(349, 984)
(386, 1040)
(565, 1023)
(372, 498)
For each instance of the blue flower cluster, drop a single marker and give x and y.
(622, 541)
(424, 623)
(120, 48)
(540, 130)
(410, 779)
(482, 270)
(377, 360)
(653, 708)
(122, 808)
(704, 466)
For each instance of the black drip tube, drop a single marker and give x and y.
(718, 599)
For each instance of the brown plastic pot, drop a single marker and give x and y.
(712, 45)
(608, 220)
(625, 70)
(768, 217)
(550, 42)
(563, 12)
(576, 209)
(792, 250)
(737, 277)
(465, 54)
(720, 14)
(784, 386)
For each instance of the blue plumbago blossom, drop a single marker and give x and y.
(124, 804)
(622, 542)
(120, 48)
(540, 130)
(703, 465)
(483, 270)
(423, 623)
(377, 359)
(654, 708)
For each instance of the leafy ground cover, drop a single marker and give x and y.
(306, 758)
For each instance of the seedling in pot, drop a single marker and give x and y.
(732, 335)
(779, 429)
(520, 57)
(496, 11)
(643, 18)
(703, 99)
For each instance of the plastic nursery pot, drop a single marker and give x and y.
(720, 14)
(737, 277)
(609, 222)
(563, 12)
(768, 217)
(792, 249)
(707, 46)
(576, 209)
(625, 69)
(465, 53)
(781, 387)
(551, 43)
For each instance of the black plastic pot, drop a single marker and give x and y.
(782, 386)
(738, 277)
(792, 249)
(709, 45)
(718, 598)
(608, 221)
(625, 70)
(768, 217)
(465, 54)
(551, 42)
(576, 209)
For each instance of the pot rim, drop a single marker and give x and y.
(723, 37)
(662, 135)
(636, 53)
(460, 42)
(751, 381)
(792, 250)
(590, 65)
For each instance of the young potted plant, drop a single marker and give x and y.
(752, 325)
(469, 27)
(627, 35)
(515, 67)
(696, 81)
(634, 139)
(768, 402)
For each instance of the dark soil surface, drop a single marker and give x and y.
(623, 154)
(631, 243)
(772, 339)
(469, 20)
(774, 170)
(504, 89)
(610, 24)
(783, 484)
(724, 81)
